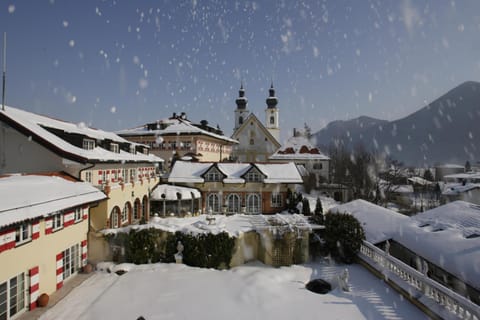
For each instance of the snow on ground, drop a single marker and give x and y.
(252, 291)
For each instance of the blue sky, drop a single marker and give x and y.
(119, 64)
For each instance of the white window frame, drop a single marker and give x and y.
(57, 222)
(136, 209)
(276, 200)
(114, 147)
(213, 203)
(71, 261)
(88, 176)
(88, 144)
(124, 216)
(114, 217)
(15, 292)
(23, 233)
(213, 175)
(78, 215)
(234, 202)
(253, 176)
(254, 203)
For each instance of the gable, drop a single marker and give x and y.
(254, 175)
(252, 121)
(213, 174)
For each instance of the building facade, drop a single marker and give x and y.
(43, 236)
(231, 188)
(177, 137)
(124, 170)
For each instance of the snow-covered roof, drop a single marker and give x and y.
(298, 148)
(378, 222)
(169, 192)
(175, 127)
(420, 181)
(192, 172)
(448, 236)
(36, 126)
(457, 188)
(30, 196)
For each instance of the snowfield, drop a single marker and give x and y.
(252, 291)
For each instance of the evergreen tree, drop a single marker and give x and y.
(427, 175)
(306, 207)
(468, 166)
(318, 207)
(343, 236)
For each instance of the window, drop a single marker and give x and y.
(187, 145)
(104, 176)
(272, 120)
(173, 145)
(240, 120)
(213, 175)
(233, 203)
(145, 150)
(253, 176)
(57, 222)
(12, 296)
(145, 207)
(78, 215)
(88, 144)
(132, 148)
(213, 203)
(114, 147)
(88, 176)
(276, 200)
(23, 233)
(114, 215)
(252, 142)
(317, 166)
(133, 174)
(253, 203)
(71, 261)
(136, 210)
(125, 175)
(125, 212)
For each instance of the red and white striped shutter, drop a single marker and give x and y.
(48, 225)
(7, 239)
(84, 253)
(36, 230)
(68, 218)
(85, 212)
(59, 270)
(34, 286)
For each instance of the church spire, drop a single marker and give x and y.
(272, 101)
(241, 101)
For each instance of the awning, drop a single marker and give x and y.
(169, 192)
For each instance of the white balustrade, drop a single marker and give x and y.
(449, 300)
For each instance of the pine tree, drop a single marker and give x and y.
(318, 207)
(306, 207)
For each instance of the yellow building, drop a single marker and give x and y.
(43, 236)
(178, 137)
(125, 171)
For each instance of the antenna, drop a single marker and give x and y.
(4, 68)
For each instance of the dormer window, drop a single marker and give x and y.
(253, 176)
(213, 175)
(114, 147)
(88, 144)
(145, 150)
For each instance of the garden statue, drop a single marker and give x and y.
(343, 280)
(179, 255)
(425, 268)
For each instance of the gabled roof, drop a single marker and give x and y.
(35, 126)
(442, 235)
(174, 127)
(30, 196)
(298, 148)
(192, 172)
(252, 117)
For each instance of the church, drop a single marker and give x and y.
(257, 140)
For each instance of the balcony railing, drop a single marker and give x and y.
(441, 300)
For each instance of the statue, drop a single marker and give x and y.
(425, 268)
(179, 255)
(343, 280)
(387, 247)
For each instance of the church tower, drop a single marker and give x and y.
(241, 113)
(271, 114)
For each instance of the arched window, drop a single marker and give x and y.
(272, 120)
(233, 202)
(213, 203)
(114, 217)
(240, 120)
(137, 209)
(125, 213)
(145, 208)
(253, 203)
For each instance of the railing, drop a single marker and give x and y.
(418, 285)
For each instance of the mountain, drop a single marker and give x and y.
(445, 131)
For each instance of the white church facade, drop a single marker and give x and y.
(257, 140)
